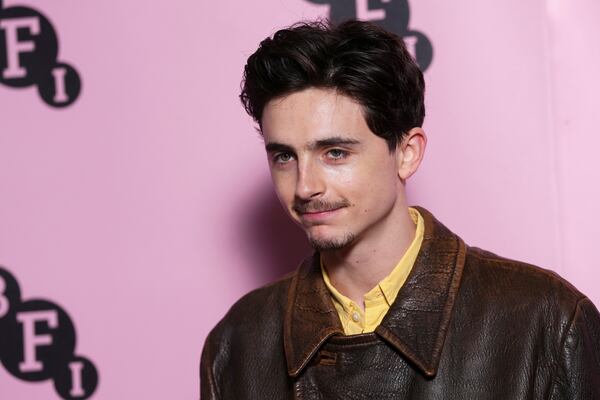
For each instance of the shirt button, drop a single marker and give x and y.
(355, 316)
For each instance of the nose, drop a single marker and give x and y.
(310, 184)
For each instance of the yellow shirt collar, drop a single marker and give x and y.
(379, 299)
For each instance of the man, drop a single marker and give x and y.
(392, 305)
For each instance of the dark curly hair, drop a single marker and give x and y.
(355, 58)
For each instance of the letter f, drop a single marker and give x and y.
(31, 341)
(14, 48)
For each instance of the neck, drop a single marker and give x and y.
(355, 270)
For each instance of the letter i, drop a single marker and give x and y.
(76, 368)
(60, 94)
(411, 45)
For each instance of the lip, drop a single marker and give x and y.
(319, 216)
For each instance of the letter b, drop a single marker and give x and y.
(4, 303)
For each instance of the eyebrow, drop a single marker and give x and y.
(278, 147)
(333, 141)
(327, 142)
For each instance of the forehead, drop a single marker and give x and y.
(313, 114)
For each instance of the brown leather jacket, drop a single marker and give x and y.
(467, 324)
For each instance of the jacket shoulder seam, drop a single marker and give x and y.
(563, 339)
(507, 263)
(211, 375)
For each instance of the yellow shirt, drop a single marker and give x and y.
(379, 299)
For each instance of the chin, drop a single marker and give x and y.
(331, 242)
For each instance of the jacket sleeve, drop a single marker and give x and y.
(578, 373)
(208, 384)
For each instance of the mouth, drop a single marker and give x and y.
(319, 215)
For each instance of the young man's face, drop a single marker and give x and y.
(333, 175)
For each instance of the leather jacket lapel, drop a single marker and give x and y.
(418, 320)
(310, 316)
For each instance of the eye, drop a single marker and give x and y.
(337, 154)
(283, 158)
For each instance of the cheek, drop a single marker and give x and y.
(371, 189)
(284, 186)
(346, 176)
(364, 180)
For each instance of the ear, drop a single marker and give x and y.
(410, 152)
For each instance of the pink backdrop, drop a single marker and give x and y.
(145, 208)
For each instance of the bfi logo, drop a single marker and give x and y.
(393, 15)
(28, 56)
(37, 342)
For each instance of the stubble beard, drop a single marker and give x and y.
(329, 244)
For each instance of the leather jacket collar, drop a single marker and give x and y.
(417, 321)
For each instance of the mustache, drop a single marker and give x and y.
(302, 207)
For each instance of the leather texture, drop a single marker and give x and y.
(467, 324)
